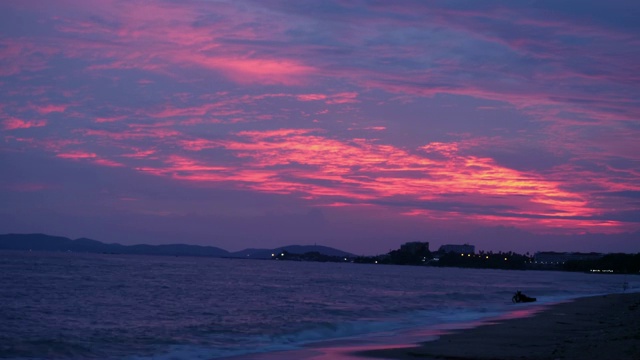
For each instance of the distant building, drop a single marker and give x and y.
(415, 247)
(559, 258)
(415, 253)
(457, 249)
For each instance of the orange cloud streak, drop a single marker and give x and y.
(301, 161)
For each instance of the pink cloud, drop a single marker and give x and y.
(50, 108)
(209, 109)
(343, 98)
(167, 39)
(134, 132)
(15, 123)
(339, 98)
(92, 157)
(77, 155)
(257, 70)
(311, 97)
(110, 119)
(443, 148)
(57, 145)
(198, 144)
(361, 171)
(21, 55)
(139, 153)
(107, 162)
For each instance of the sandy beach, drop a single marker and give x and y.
(601, 327)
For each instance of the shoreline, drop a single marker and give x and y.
(597, 327)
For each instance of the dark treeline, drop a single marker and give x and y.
(418, 254)
(412, 253)
(486, 260)
(618, 263)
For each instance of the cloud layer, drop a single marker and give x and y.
(426, 115)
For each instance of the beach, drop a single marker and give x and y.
(600, 327)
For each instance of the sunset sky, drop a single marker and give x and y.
(361, 125)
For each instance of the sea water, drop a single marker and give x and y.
(68, 306)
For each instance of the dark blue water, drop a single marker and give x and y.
(69, 305)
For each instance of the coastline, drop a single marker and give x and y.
(598, 327)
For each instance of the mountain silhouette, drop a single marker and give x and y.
(43, 242)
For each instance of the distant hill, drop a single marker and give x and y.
(42, 242)
(294, 249)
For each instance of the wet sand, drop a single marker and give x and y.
(601, 327)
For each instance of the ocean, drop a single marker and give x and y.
(100, 306)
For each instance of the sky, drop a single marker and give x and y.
(360, 125)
